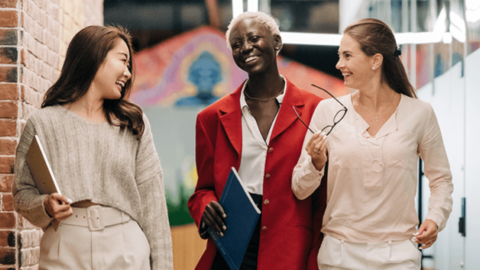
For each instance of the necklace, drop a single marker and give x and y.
(262, 99)
(378, 114)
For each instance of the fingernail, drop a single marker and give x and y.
(221, 234)
(420, 248)
(69, 201)
(224, 215)
(415, 233)
(224, 227)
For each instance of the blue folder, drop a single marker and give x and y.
(242, 216)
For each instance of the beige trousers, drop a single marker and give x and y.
(337, 254)
(76, 246)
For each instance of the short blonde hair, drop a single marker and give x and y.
(257, 16)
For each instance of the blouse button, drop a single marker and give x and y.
(264, 228)
(267, 175)
(270, 149)
(266, 202)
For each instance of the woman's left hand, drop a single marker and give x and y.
(427, 234)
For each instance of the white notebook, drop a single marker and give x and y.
(40, 168)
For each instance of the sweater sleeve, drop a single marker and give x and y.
(154, 221)
(306, 178)
(27, 200)
(437, 170)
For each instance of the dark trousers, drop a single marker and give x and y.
(251, 255)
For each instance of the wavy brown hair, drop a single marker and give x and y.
(375, 37)
(86, 53)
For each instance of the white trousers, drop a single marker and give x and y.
(337, 254)
(117, 246)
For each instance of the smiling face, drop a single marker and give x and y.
(114, 73)
(355, 65)
(253, 47)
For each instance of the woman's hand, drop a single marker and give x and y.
(213, 216)
(58, 206)
(427, 234)
(317, 149)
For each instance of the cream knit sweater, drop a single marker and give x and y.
(97, 162)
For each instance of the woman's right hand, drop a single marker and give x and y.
(214, 217)
(57, 206)
(317, 149)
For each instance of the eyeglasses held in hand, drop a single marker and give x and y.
(336, 119)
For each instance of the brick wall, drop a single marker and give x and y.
(34, 36)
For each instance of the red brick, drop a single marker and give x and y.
(7, 221)
(6, 181)
(7, 239)
(19, 221)
(8, 37)
(24, 223)
(7, 146)
(27, 22)
(29, 110)
(43, 19)
(8, 74)
(8, 109)
(8, 55)
(7, 202)
(31, 97)
(6, 165)
(8, 4)
(23, 56)
(8, 18)
(7, 256)
(8, 127)
(9, 91)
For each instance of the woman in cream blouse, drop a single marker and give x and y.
(370, 220)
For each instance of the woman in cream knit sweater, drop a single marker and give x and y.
(101, 151)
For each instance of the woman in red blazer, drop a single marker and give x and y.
(255, 129)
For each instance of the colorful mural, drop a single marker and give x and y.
(177, 79)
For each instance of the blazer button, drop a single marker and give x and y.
(270, 149)
(264, 228)
(267, 175)
(266, 202)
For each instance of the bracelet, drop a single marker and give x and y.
(45, 208)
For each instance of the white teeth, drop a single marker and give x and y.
(122, 84)
(346, 74)
(249, 59)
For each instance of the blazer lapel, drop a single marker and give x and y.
(231, 119)
(286, 116)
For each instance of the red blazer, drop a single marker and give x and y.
(286, 243)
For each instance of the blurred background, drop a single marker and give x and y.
(183, 65)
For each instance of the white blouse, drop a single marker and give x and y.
(254, 147)
(372, 181)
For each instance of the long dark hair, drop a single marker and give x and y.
(86, 52)
(375, 37)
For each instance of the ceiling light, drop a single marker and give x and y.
(237, 7)
(252, 5)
